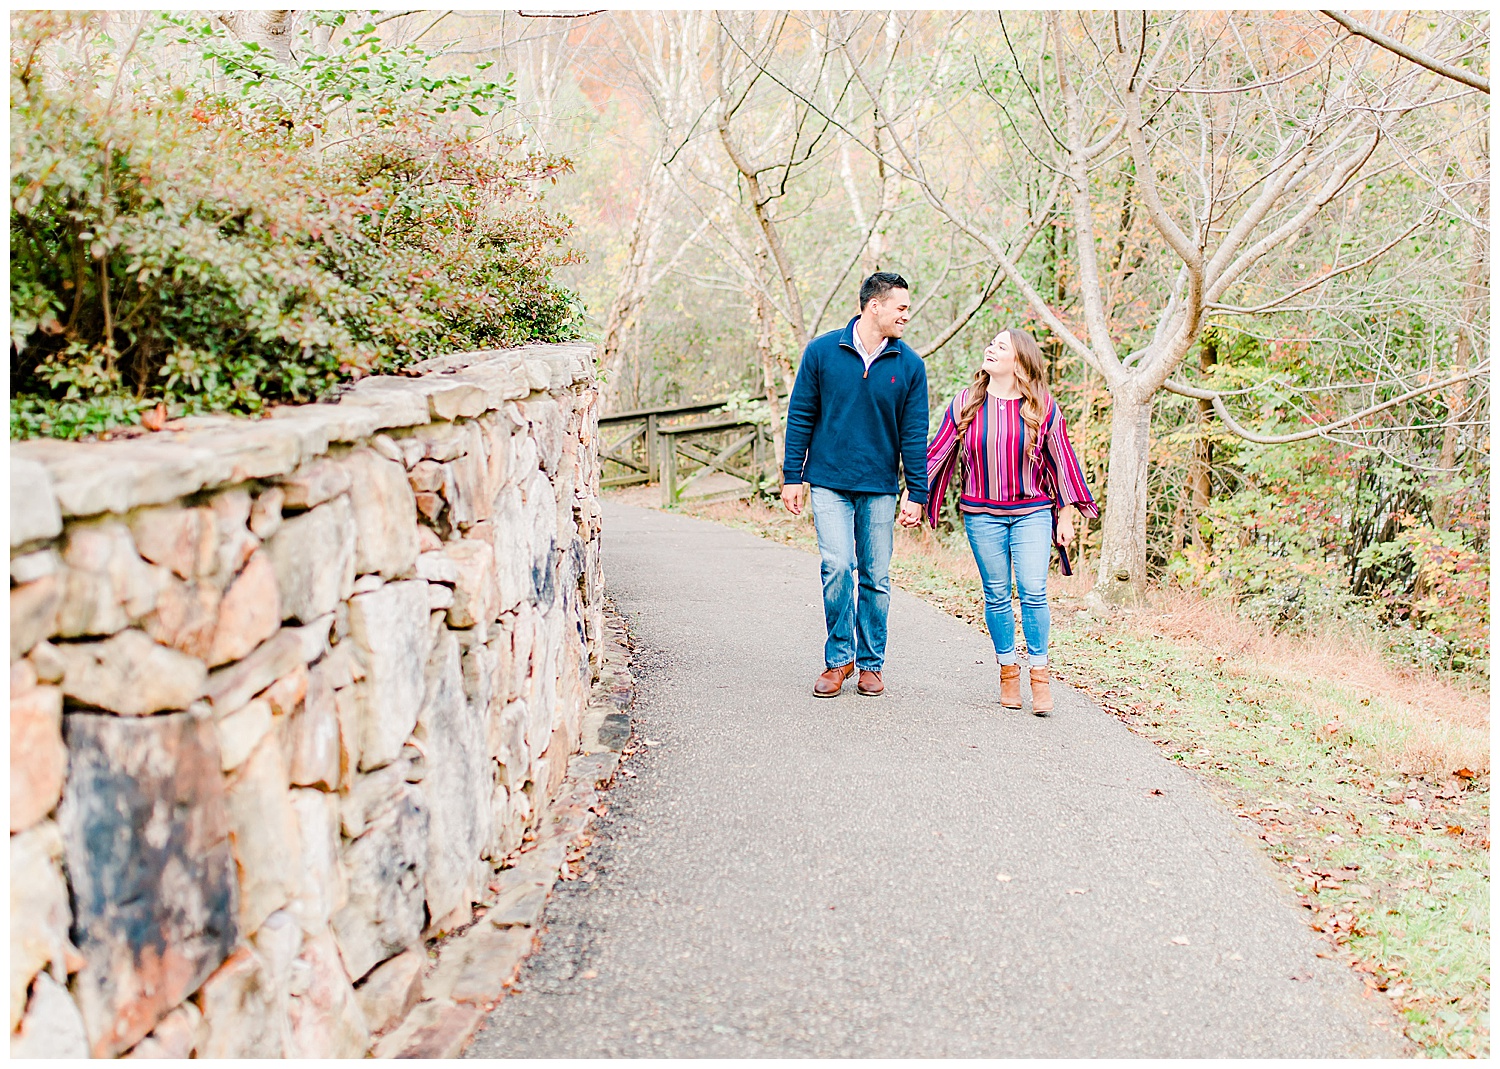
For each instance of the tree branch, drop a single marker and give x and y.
(1241, 431)
(1231, 309)
(997, 279)
(1390, 44)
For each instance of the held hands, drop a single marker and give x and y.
(793, 497)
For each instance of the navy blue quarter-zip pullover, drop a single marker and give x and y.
(848, 428)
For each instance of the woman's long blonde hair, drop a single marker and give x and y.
(1031, 376)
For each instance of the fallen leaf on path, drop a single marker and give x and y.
(1156, 791)
(1180, 940)
(1078, 890)
(1464, 773)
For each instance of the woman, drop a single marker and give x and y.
(1021, 481)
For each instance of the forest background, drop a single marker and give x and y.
(1253, 246)
(1264, 205)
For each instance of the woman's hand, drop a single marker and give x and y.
(1065, 526)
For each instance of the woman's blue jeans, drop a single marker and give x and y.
(856, 531)
(1022, 544)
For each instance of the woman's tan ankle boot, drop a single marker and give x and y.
(1041, 692)
(1010, 686)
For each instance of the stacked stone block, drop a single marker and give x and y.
(284, 693)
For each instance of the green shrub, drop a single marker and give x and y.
(1441, 617)
(1274, 545)
(1278, 547)
(195, 222)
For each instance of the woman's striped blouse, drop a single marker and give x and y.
(1002, 476)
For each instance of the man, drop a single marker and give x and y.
(857, 411)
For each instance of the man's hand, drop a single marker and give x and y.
(791, 497)
(911, 514)
(1065, 526)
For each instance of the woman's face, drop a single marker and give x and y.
(1000, 356)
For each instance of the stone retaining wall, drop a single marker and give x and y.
(284, 693)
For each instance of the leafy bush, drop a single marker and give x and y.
(1274, 545)
(197, 222)
(1279, 547)
(1442, 616)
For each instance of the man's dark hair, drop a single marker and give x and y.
(878, 285)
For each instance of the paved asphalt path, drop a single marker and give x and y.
(795, 876)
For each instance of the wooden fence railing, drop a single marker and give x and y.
(636, 446)
(732, 447)
(651, 444)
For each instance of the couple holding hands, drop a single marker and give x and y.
(858, 409)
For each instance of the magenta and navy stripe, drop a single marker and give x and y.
(1002, 477)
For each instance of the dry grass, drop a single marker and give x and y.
(1407, 720)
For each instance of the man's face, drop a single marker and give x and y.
(890, 312)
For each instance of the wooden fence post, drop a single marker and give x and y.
(668, 470)
(760, 460)
(653, 443)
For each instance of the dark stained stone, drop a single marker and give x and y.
(615, 731)
(145, 833)
(543, 581)
(387, 868)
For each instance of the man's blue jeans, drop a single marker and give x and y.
(1022, 543)
(855, 532)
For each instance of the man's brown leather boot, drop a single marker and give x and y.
(1041, 692)
(870, 684)
(831, 681)
(1010, 686)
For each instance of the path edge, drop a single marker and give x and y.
(472, 969)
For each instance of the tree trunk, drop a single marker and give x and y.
(631, 294)
(622, 316)
(1474, 288)
(1122, 550)
(271, 29)
(760, 205)
(769, 369)
(1201, 469)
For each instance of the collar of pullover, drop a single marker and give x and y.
(846, 339)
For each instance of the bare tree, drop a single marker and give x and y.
(661, 51)
(1234, 149)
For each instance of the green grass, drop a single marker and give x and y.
(1403, 897)
(1310, 765)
